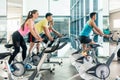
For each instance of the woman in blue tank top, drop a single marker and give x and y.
(85, 33)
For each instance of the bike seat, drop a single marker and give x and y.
(36, 41)
(94, 45)
(8, 45)
(48, 51)
(5, 54)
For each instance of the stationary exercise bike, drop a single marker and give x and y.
(19, 68)
(90, 67)
(4, 67)
(40, 62)
(117, 41)
(37, 57)
(78, 46)
(4, 63)
(43, 58)
(78, 57)
(102, 70)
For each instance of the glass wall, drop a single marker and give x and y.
(3, 28)
(57, 7)
(80, 10)
(61, 23)
(3, 20)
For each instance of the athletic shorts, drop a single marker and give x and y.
(31, 38)
(43, 36)
(85, 40)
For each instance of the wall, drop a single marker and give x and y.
(3, 20)
(113, 16)
(114, 10)
(105, 5)
(2, 7)
(14, 16)
(57, 7)
(114, 4)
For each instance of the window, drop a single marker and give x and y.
(3, 28)
(116, 23)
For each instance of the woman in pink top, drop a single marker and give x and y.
(17, 37)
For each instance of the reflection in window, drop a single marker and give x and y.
(95, 5)
(87, 18)
(3, 28)
(87, 7)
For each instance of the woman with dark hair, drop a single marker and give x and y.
(17, 37)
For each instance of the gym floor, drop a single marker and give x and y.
(66, 71)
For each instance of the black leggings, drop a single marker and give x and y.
(17, 42)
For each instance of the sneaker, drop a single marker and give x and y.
(84, 53)
(28, 66)
(12, 69)
(80, 60)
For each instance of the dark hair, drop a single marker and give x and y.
(30, 15)
(48, 14)
(92, 14)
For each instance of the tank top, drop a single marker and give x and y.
(86, 30)
(25, 31)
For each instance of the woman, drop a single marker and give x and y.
(17, 37)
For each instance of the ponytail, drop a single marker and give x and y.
(30, 15)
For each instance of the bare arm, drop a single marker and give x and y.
(47, 33)
(51, 28)
(95, 31)
(30, 25)
(36, 32)
(96, 28)
(56, 32)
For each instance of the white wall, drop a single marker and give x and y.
(40, 5)
(114, 16)
(105, 7)
(2, 7)
(14, 16)
(114, 4)
(114, 8)
(60, 7)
